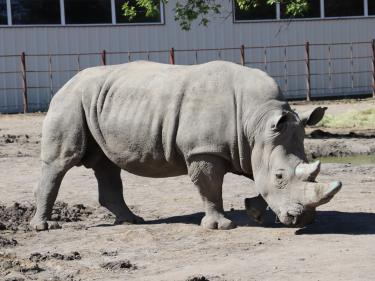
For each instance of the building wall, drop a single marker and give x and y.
(221, 33)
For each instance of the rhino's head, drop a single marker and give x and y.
(281, 172)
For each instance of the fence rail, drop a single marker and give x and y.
(307, 70)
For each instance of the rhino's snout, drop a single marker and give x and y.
(298, 216)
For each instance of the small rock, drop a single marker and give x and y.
(4, 242)
(73, 256)
(118, 265)
(2, 226)
(57, 256)
(37, 257)
(33, 268)
(54, 225)
(197, 278)
(55, 217)
(15, 279)
(109, 253)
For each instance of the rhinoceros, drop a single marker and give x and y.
(158, 120)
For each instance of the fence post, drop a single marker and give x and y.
(373, 67)
(171, 55)
(24, 83)
(242, 51)
(50, 75)
(308, 74)
(104, 58)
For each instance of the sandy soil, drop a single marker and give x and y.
(340, 245)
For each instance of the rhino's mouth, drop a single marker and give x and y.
(297, 216)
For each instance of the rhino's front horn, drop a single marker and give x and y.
(319, 194)
(308, 172)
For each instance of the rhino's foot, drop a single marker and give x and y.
(256, 215)
(217, 222)
(131, 219)
(38, 224)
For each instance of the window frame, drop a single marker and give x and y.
(322, 15)
(10, 18)
(64, 24)
(339, 17)
(234, 20)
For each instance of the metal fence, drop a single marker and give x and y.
(303, 71)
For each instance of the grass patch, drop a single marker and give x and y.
(364, 119)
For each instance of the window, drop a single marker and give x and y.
(371, 7)
(35, 11)
(3, 12)
(343, 8)
(261, 12)
(141, 13)
(87, 11)
(312, 12)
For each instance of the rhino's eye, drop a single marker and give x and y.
(279, 176)
(280, 180)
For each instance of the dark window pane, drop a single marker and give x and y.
(87, 11)
(312, 12)
(141, 13)
(261, 12)
(3, 12)
(35, 11)
(371, 7)
(343, 8)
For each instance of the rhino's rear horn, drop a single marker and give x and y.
(308, 172)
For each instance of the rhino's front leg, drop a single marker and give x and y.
(207, 173)
(256, 208)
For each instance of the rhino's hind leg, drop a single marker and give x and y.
(207, 173)
(111, 191)
(46, 193)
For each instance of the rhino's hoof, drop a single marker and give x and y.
(39, 225)
(211, 222)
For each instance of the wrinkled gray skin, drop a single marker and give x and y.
(157, 120)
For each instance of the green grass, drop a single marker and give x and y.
(354, 160)
(364, 119)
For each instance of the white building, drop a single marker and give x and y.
(86, 27)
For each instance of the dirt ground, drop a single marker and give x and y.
(85, 245)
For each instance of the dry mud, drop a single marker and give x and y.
(85, 245)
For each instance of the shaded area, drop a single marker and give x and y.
(239, 217)
(320, 134)
(326, 222)
(335, 222)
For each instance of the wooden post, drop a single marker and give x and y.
(171, 55)
(104, 58)
(308, 74)
(242, 51)
(50, 76)
(373, 67)
(24, 83)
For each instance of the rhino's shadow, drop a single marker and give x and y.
(335, 222)
(326, 222)
(238, 216)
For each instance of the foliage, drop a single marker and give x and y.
(188, 11)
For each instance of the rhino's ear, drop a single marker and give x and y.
(312, 117)
(280, 120)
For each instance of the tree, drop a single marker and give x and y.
(189, 11)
